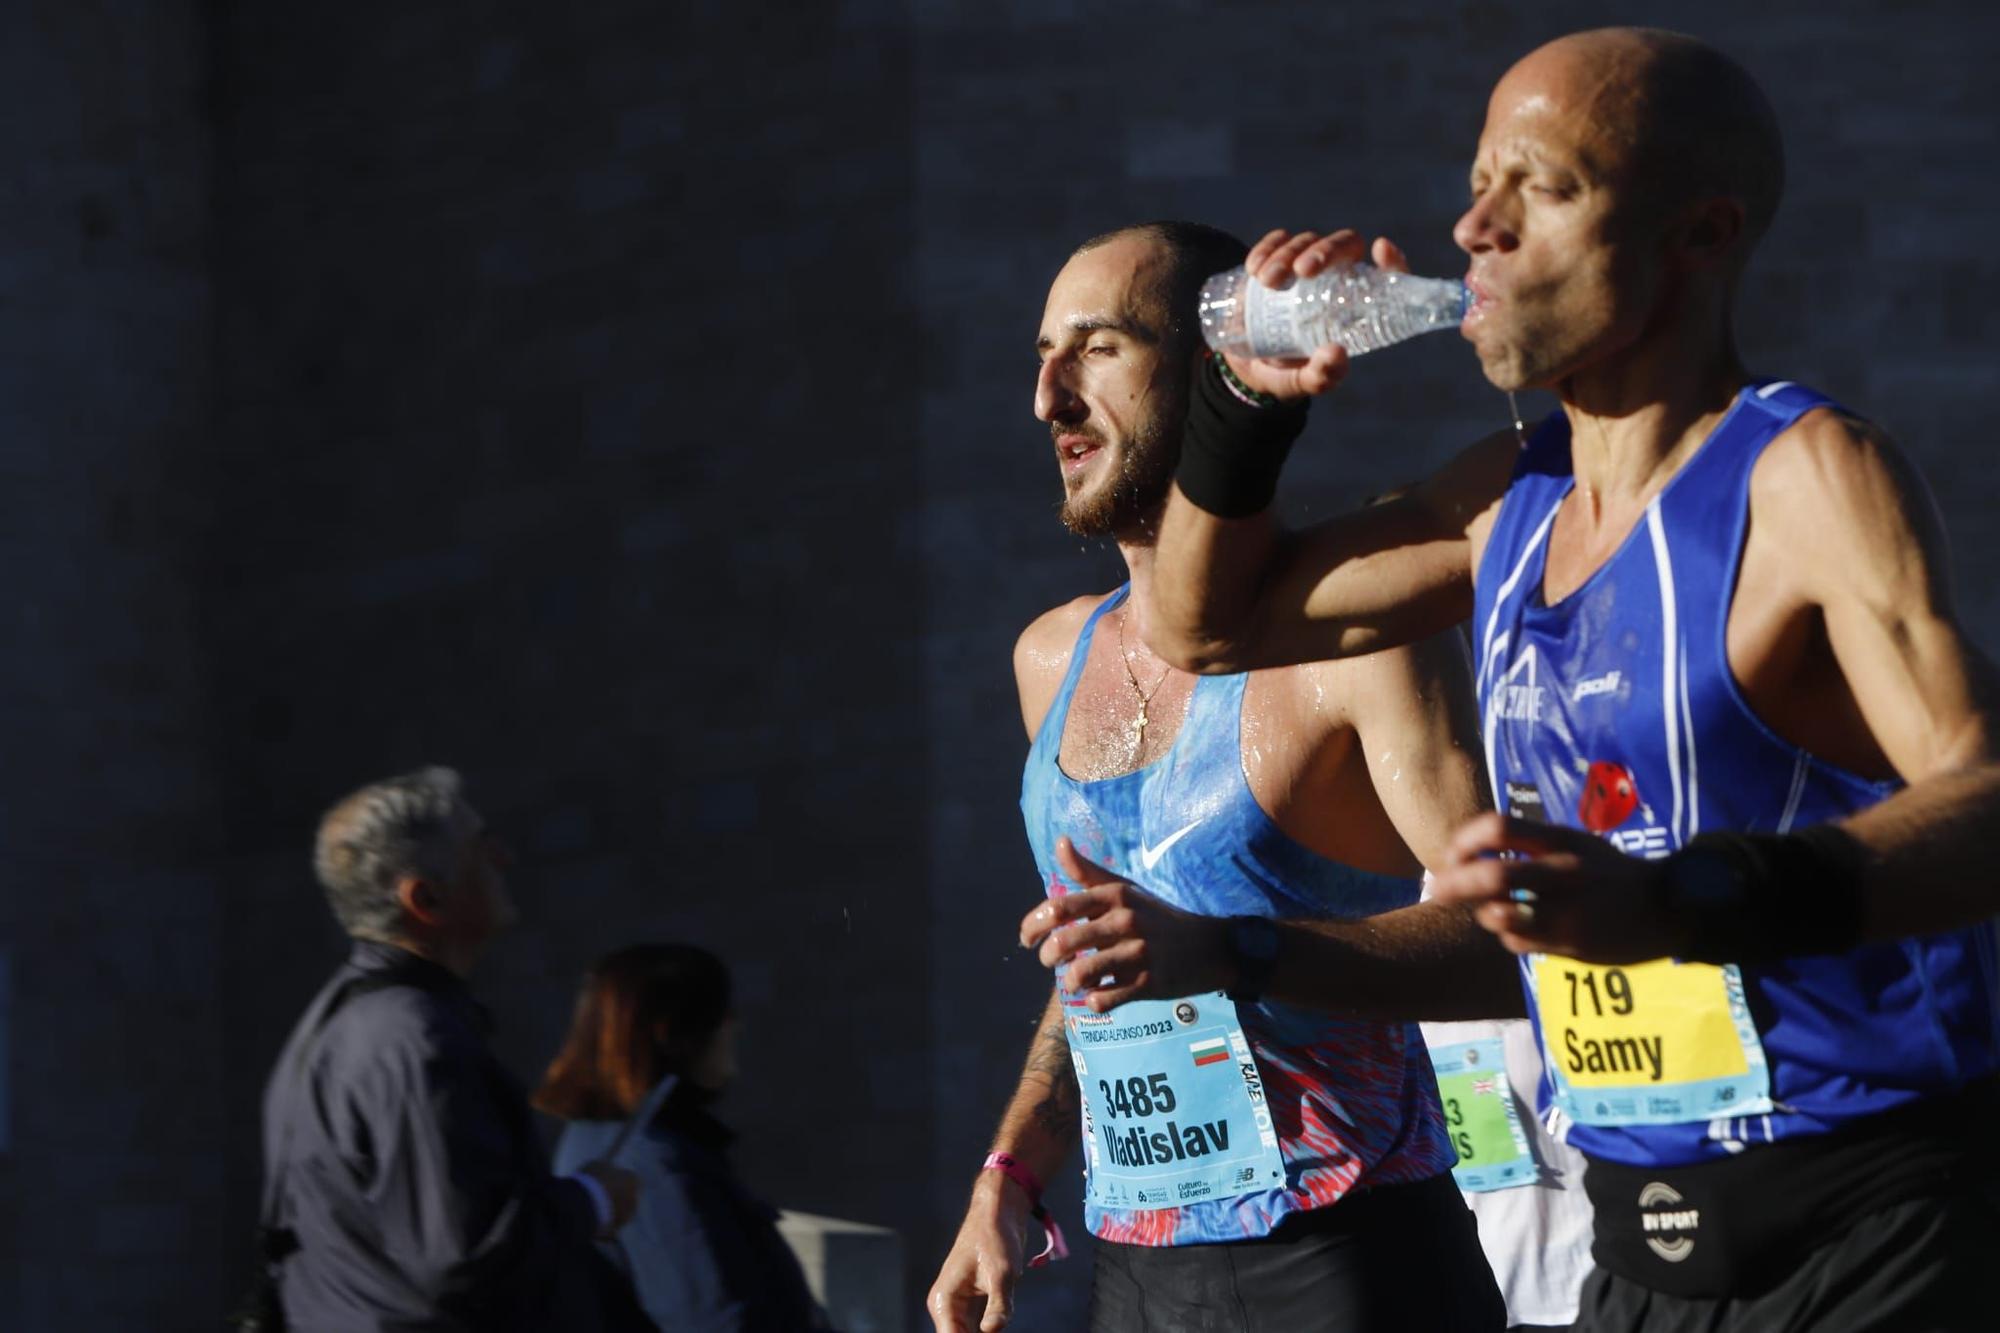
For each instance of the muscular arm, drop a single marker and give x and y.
(975, 1285)
(1842, 533)
(1418, 725)
(1413, 712)
(1929, 697)
(1236, 594)
(1040, 1124)
(1424, 963)
(1413, 963)
(1233, 594)
(974, 1288)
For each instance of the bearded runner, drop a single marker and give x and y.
(1243, 1159)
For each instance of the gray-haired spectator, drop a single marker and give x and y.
(405, 1187)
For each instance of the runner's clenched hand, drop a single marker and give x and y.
(1143, 949)
(1562, 891)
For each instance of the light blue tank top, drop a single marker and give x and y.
(1616, 710)
(1354, 1103)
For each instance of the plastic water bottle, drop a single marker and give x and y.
(1359, 306)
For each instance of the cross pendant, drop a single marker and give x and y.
(1139, 727)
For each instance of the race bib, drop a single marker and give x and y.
(1173, 1104)
(1659, 1043)
(1480, 1116)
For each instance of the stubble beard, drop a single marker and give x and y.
(1505, 370)
(1507, 353)
(1128, 503)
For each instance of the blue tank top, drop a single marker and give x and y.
(1353, 1103)
(1616, 711)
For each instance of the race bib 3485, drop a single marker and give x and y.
(1173, 1104)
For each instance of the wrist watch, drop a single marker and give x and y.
(1253, 948)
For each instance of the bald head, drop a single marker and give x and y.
(1687, 121)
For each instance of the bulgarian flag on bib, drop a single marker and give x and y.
(1213, 1051)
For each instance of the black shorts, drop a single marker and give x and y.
(1921, 1266)
(1394, 1258)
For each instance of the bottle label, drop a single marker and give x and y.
(1271, 321)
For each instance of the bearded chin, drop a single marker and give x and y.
(1129, 505)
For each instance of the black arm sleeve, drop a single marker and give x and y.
(1231, 452)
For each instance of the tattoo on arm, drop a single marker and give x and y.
(1050, 1053)
(1056, 1111)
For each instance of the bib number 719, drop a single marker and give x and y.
(1616, 996)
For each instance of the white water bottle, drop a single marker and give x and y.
(1359, 306)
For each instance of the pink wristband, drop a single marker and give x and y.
(1010, 1166)
(1017, 1171)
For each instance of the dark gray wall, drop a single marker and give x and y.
(111, 906)
(630, 406)
(538, 358)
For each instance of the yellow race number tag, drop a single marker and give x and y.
(1661, 1042)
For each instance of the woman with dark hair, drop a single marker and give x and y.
(703, 1252)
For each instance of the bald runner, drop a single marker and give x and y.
(1744, 795)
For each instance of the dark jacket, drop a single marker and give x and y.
(704, 1252)
(404, 1159)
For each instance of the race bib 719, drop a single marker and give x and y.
(1662, 1042)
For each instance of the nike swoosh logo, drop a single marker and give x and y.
(1150, 856)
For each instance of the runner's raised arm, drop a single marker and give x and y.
(1232, 592)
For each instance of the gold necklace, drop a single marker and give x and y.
(1138, 727)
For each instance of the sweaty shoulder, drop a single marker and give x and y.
(1831, 481)
(1823, 453)
(1042, 653)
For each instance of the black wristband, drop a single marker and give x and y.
(1756, 898)
(1231, 452)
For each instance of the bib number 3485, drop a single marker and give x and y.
(1173, 1105)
